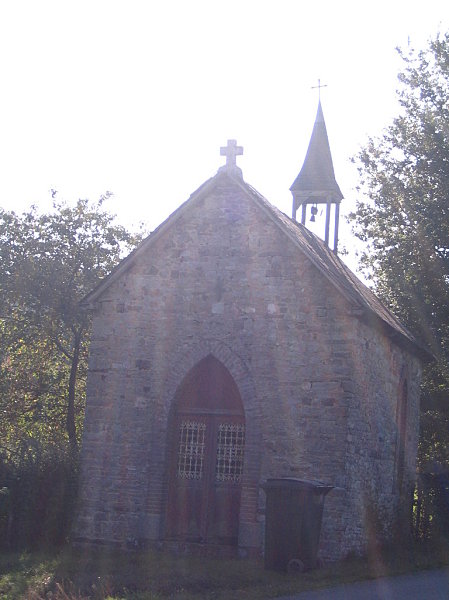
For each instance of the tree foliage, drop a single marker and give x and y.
(404, 220)
(48, 262)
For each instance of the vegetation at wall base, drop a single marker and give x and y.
(99, 575)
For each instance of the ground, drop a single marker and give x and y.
(431, 585)
(79, 575)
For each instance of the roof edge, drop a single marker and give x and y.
(360, 307)
(126, 263)
(269, 211)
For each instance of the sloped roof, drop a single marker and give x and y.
(317, 176)
(365, 303)
(339, 275)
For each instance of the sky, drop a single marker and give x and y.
(136, 97)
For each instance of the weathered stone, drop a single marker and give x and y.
(320, 387)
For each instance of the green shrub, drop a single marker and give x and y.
(38, 491)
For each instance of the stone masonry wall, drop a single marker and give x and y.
(319, 387)
(379, 368)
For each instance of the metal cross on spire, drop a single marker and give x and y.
(318, 87)
(231, 151)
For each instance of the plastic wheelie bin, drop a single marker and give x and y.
(293, 515)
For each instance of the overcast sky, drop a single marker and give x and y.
(136, 97)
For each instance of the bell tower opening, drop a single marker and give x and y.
(316, 184)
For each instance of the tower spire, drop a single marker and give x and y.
(316, 183)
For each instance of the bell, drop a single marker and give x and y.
(314, 211)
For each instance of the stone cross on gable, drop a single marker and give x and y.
(231, 151)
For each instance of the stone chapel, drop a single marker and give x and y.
(232, 346)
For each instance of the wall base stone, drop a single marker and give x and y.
(250, 535)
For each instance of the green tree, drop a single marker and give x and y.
(48, 263)
(404, 221)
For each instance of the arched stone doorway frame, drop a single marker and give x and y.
(249, 528)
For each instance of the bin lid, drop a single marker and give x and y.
(298, 484)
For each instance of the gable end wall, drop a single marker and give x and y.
(224, 280)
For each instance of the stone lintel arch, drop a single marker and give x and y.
(183, 363)
(187, 358)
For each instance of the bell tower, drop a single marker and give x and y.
(316, 183)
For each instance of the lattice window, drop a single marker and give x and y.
(230, 446)
(191, 450)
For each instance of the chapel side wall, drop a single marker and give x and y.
(379, 367)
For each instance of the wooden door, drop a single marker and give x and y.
(225, 485)
(206, 463)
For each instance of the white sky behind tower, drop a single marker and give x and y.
(137, 97)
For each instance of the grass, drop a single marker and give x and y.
(20, 573)
(94, 575)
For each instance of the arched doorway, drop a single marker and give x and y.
(206, 457)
